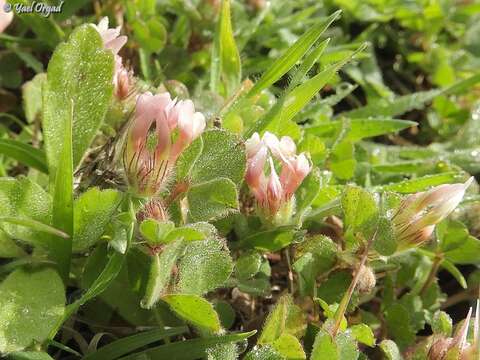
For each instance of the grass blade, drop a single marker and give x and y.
(414, 101)
(128, 344)
(24, 153)
(61, 251)
(189, 349)
(361, 128)
(225, 57)
(293, 54)
(424, 182)
(35, 225)
(294, 101)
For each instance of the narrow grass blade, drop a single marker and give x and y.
(225, 57)
(293, 54)
(308, 63)
(294, 101)
(120, 347)
(188, 349)
(60, 250)
(36, 225)
(361, 128)
(24, 153)
(402, 104)
(425, 182)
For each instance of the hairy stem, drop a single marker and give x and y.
(348, 295)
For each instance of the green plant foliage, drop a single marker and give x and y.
(32, 301)
(174, 172)
(195, 310)
(80, 77)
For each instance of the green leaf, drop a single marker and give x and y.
(155, 232)
(467, 253)
(60, 250)
(24, 154)
(212, 200)
(285, 318)
(289, 347)
(32, 97)
(31, 303)
(361, 128)
(160, 273)
(108, 274)
(324, 347)
(455, 272)
(362, 333)
(402, 104)
(226, 62)
(359, 207)
(23, 199)
(248, 265)
(8, 247)
(123, 346)
(150, 34)
(390, 350)
(399, 325)
(451, 234)
(307, 192)
(188, 158)
(29, 355)
(266, 352)
(222, 156)
(81, 71)
(314, 256)
(187, 233)
(188, 349)
(270, 240)
(342, 160)
(296, 99)
(385, 242)
(347, 346)
(195, 310)
(424, 182)
(205, 266)
(306, 65)
(293, 54)
(92, 212)
(398, 106)
(442, 324)
(34, 225)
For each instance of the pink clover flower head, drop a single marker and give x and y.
(272, 191)
(150, 152)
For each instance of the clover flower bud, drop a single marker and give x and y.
(456, 347)
(366, 279)
(418, 213)
(150, 153)
(5, 17)
(274, 193)
(154, 209)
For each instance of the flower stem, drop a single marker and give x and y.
(437, 261)
(348, 295)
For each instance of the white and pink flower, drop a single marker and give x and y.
(417, 215)
(273, 191)
(113, 41)
(150, 151)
